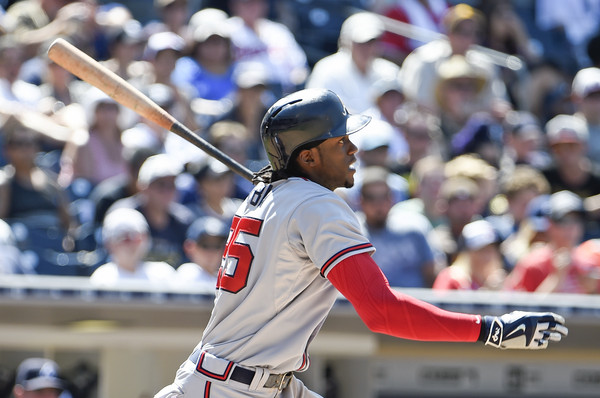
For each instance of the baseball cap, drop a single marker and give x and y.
(38, 373)
(562, 129)
(564, 202)
(586, 259)
(586, 82)
(361, 28)
(122, 222)
(385, 85)
(457, 66)
(251, 74)
(523, 124)
(537, 212)
(158, 166)
(163, 41)
(208, 15)
(208, 168)
(459, 13)
(374, 135)
(478, 234)
(207, 226)
(458, 188)
(208, 29)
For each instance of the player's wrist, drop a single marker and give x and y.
(486, 324)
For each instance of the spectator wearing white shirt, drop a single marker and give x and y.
(357, 65)
(126, 236)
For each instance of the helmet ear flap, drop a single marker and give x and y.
(281, 155)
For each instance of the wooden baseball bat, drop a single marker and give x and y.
(91, 71)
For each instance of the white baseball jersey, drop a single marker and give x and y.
(273, 295)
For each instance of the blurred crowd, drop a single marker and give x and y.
(480, 168)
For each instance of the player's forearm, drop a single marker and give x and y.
(387, 311)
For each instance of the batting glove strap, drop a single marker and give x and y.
(522, 330)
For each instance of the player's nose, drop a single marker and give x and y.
(352, 148)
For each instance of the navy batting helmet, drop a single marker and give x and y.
(305, 116)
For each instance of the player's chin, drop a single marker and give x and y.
(349, 183)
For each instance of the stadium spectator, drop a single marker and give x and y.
(459, 203)
(252, 98)
(357, 65)
(549, 266)
(126, 45)
(425, 182)
(100, 156)
(478, 265)
(572, 169)
(459, 93)
(156, 200)
(215, 189)
(516, 191)
(231, 137)
(204, 245)
(586, 261)
(146, 133)
(173, 17)
(120, 186)
(38, 377)
(423, 135)
(463, 26)
(162, 51)
(402, 250)
(256, 38)
(28, 192)
(478, 170)
(126, 237)
(14, 91)
(481, 136)
(374, 142)
(523, 142)
(585, 94)
(388, 101)
(207, 72)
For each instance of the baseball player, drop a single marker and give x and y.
(293, 245)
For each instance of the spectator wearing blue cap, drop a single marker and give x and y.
(204, 245)
(38, 378)
(553, 259)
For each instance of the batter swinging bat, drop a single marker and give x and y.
(91, 71)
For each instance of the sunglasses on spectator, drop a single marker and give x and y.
(368, 197)
(128, 237)
(211, 246)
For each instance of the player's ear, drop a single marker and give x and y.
(306, 158)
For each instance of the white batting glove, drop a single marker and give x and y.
(523, 330)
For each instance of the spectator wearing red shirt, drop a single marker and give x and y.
(478, 264)
(550, 267)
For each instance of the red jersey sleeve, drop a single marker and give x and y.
(387, 311)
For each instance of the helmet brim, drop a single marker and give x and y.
(355, 123)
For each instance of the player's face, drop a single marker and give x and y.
(335, 163)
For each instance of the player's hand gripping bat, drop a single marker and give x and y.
(91, 71)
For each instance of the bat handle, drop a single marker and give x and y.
(190, 136)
